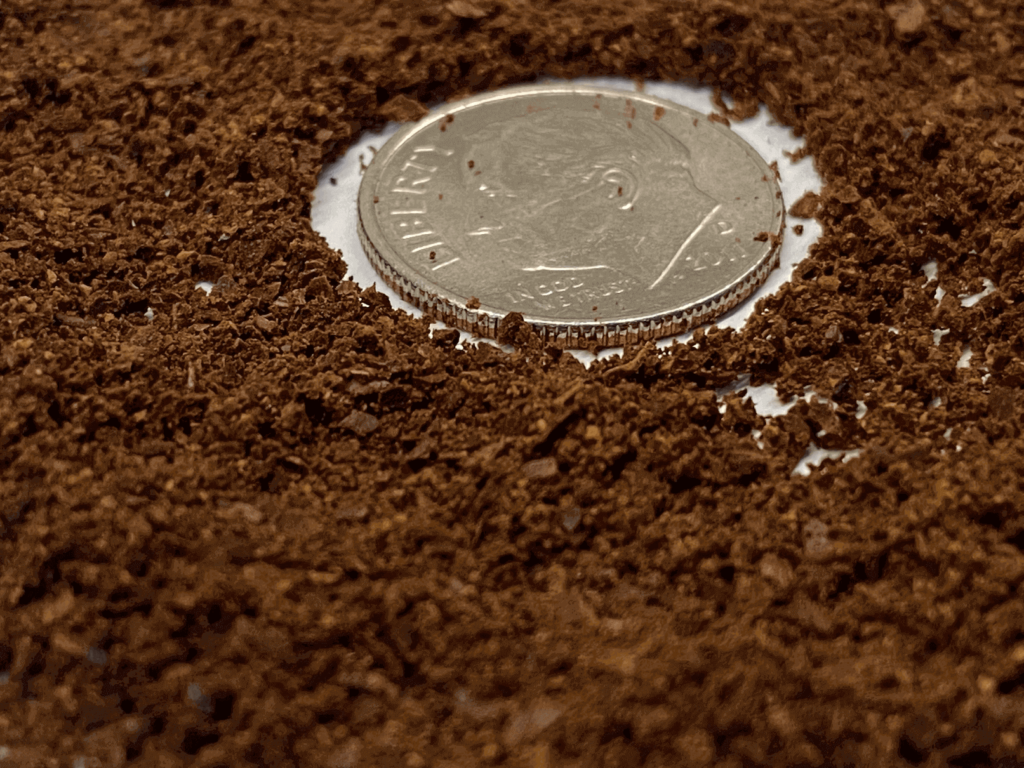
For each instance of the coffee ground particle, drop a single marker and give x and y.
(806, 206)
(283, 525)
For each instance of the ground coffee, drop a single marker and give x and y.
(283, 525)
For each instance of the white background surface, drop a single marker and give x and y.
(334, 205)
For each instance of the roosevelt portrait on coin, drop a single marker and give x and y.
(561, 193)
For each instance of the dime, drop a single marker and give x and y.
(603, 217)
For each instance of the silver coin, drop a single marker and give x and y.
(602, 216)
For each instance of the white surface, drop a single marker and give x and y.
(334, 216)
(972, 299)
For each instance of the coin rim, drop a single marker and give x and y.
(438, 304)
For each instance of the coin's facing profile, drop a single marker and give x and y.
(602, 216)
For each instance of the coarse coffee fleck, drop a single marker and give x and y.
(284, 524)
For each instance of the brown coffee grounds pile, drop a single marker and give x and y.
(281, 525)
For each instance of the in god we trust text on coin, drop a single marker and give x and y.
(602, 216)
